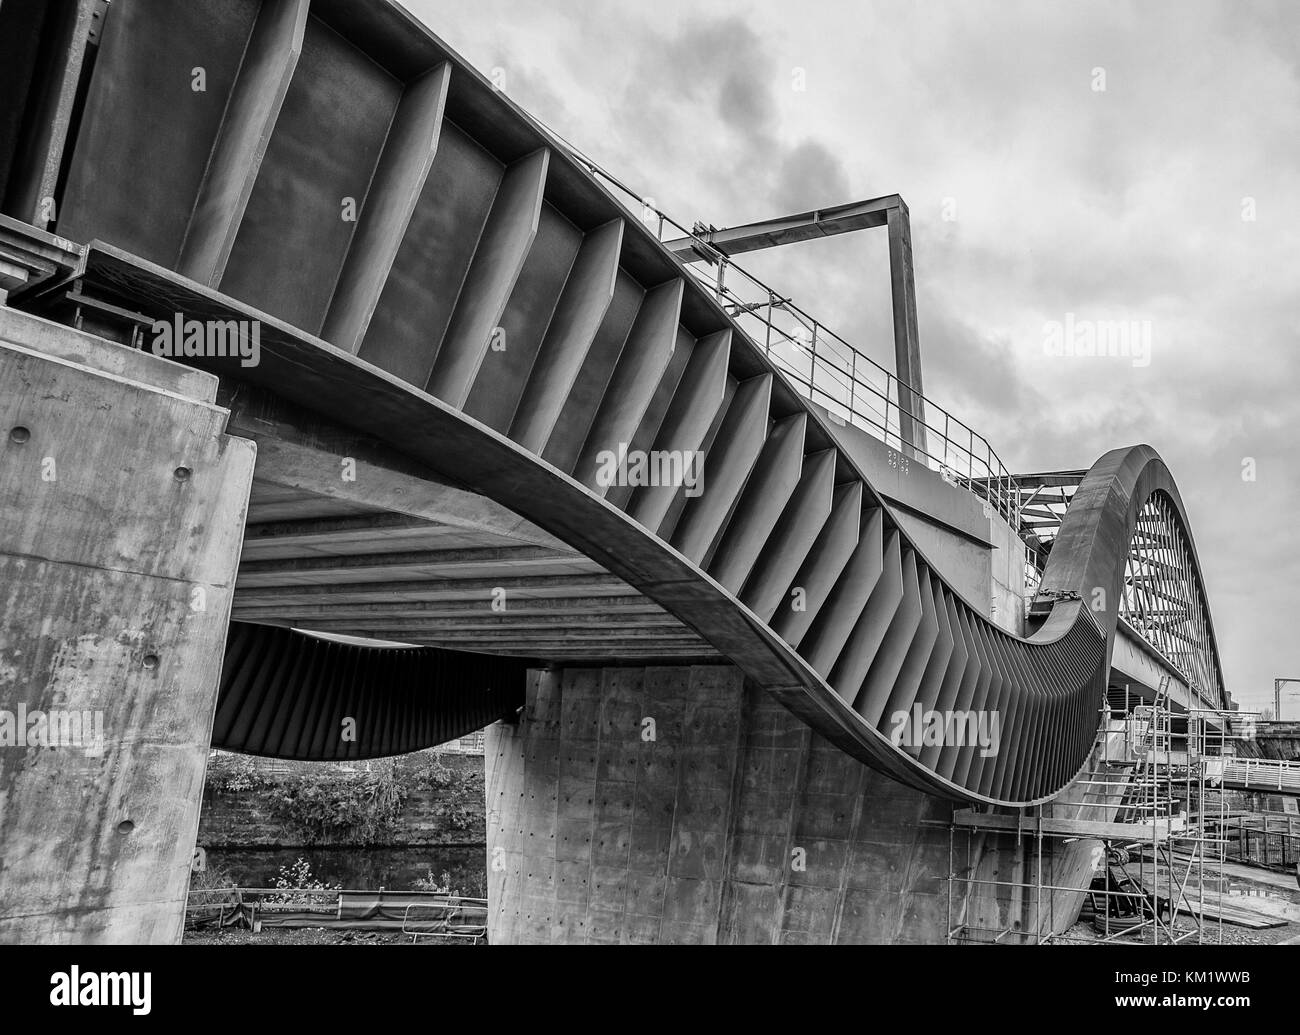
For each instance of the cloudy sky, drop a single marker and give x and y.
(1116, 161)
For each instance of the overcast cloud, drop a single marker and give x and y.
(1123, 203)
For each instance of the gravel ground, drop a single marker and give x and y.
(308, 936)
(1081, 932)
(1231, 935)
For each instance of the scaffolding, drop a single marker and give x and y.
(1136, 845)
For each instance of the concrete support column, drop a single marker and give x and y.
(827, 850)
(608, 806)
(122, 506)
(678, 804)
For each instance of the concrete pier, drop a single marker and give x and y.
(678, 804)
(122, 505)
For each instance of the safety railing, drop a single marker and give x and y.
(1264, 774)
(826, 369)
(857, 391)
(454, 918)
(418, 914)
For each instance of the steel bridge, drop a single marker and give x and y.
(460, 324)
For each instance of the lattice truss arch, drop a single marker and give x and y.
(1162, 598)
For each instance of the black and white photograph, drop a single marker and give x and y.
(564, 473)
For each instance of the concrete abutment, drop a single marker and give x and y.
(122, 507)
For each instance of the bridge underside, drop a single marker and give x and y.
(345, 536)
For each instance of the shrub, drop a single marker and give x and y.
(439, 886)
(212, 878)
(356, 810)
(294, 880)
(332, 807)
(233, 774)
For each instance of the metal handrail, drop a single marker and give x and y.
(963, 457)
(852, 386)
(460, 918)
(849, 398)
(1282, 774)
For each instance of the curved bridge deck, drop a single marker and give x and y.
(434, 280)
